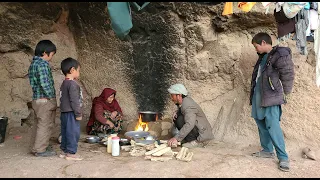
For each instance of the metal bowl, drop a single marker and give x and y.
(92, 139)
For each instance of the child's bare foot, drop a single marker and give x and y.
(62, 155)
(73, 157)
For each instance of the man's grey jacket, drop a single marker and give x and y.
(194, 116)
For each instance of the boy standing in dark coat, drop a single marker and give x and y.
(272, 81)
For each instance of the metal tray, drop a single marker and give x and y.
(136, 134)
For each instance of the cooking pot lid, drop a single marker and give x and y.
(148, 112)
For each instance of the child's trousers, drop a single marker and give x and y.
(70, 132)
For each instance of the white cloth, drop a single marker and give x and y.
(178, 89)
(265, 4)
(313, 19)
(278, 6)
(308, 32)
(291, 9)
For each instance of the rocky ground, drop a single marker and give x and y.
(216, 160)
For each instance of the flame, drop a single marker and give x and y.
(141, 126)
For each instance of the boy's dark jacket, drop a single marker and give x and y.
(277, 77)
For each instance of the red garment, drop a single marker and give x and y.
(99, 104)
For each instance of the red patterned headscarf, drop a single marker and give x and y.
(102, 100)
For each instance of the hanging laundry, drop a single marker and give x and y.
(307, 6)
(266, 5)
(308, 31)
(310, 38)
(246, 6)
(137, 6)
(228, 8)
(313, 19)
(120, 15)
(314, 6)
(291, 9)
(278, 6)
(301, 25)
(284, 24)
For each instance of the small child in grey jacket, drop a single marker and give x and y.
(70, 107)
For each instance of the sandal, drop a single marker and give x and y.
(263, 154)
(284, 165)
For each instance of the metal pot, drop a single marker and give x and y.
(148, 116)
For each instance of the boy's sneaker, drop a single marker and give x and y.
(284, 165)
(193, 144)
(45, 154)
(73, 157)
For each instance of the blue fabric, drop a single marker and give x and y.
(258, 112)
(271, 135)
(120, 15)
(70, 132)
(307, 6)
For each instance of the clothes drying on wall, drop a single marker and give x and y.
(120, 16)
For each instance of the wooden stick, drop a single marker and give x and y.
(166, 142)
(162, 151)
(162, 146)
(188, 157)
(182, 153)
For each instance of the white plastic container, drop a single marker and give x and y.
(115, 146)
(109, 146)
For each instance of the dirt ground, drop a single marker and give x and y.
(216, 160)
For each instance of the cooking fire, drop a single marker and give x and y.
(141, 126)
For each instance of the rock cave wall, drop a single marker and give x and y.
(189, 43)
